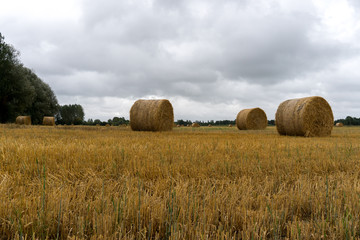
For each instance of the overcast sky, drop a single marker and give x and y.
(210, 58)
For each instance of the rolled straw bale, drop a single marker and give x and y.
(309, 117)
(230, 125)
(195, 125)
(152, 115)
(23, 120)
(49, 121)
(251, 119)
(107, 125)
(339, 124)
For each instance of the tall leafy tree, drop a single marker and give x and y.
(16, 93)
(21, 91)
(70, 114)
(45, 102)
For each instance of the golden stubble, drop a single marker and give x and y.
(214, 183)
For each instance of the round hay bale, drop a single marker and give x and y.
(230, 125)
(339, 124)
(195, 125)
(178, 125)
(107, 125)
(151, 115)
(209, 125)
(251, 119)
(23, 120)
(49, 121)
(309, 117)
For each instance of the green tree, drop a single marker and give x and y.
(45, 102)
(70, 114)
(21, 91)
(16, 93)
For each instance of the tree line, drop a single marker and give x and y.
(22, 92)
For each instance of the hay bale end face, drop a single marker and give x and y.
(339, 124)
(23, 120)
(49, 121)
(309, 117)
(195, 125)
(152, 115)
(251, 119)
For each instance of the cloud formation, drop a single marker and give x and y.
(210, 58)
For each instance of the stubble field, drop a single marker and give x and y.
(205, 183)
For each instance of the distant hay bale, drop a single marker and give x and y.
(339, 124)
(309, 117)
(49, 121)
(230, 125)
(251, 119)
(209, 125)
(23, 120)
(152, 115)
(195, 125)
(107, 125)
(178, 125)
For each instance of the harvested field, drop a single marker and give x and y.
(205, 183)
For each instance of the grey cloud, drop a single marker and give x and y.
(240, 53)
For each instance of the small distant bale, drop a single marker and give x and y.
(152, 115)
(107, 125)
(195, 125)
(189, 125)
(230, 125)
(339, 124)
(49, 121)
(23, 120)
(251, 119)
(209, 125)
(178, 125)
(309, 117)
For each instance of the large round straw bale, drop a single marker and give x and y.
(23, 120)
(49, 121)
(339, 124)
(152, 115)
(195, 124)
(251, 119)
(309, 117)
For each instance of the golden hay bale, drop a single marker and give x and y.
(107, 125)
(339, 124)
(178, 125)
(49, 121)
(23, 120)
(209, 125)
(309, 117)
(230, 125)
(251, 119)
(195, 125)
(151, 115)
